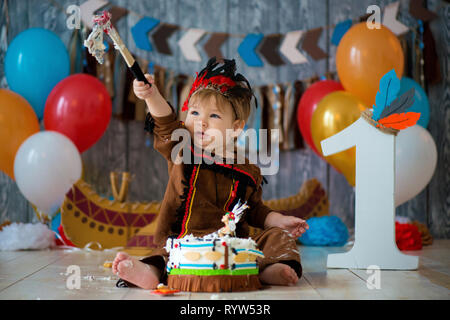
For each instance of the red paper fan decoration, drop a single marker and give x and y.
(407, 236)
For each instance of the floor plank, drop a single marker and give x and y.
(30, 262)
(301, 291)
(42, 290)
(44, 274)
(400, 285)
(10, 255)
(340, 284)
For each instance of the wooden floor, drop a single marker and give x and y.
(42, 275)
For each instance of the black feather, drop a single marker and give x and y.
(400, 104)
(228, 69)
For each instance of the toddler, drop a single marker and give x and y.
(200, 192)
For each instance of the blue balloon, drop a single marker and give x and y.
(421, 104)
(35, 62)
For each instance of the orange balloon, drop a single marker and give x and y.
(363, 56)
(335, 112)
(18, 121)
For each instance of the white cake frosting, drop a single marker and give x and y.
(212, 254)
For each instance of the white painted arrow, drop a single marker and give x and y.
(289, 47)
(390, 19)
(187, 44)
(87, 10)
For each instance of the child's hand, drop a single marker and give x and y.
(142, 90)
(296, 226)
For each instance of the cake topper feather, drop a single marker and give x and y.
(390, 110)
(231, 218)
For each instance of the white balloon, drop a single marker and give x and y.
(46, 166)
(415, 162)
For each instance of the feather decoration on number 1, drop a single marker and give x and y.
(391, 111)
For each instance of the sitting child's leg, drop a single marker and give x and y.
(136, 272)
(278, 274)
(281, 263)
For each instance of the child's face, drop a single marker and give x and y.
(208, 124)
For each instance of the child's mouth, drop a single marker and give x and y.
(202, 135)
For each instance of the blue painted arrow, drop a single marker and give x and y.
(140, 30)
(340, 30)
(247, 49)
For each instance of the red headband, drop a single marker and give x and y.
(222, 79)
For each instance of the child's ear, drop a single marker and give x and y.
(238, 126)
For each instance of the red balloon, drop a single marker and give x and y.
(79, 107)
(308, 103)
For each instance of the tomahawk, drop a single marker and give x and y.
(94, 43)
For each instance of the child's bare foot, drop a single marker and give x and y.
(120, 256)
(278, 274)
(135, 271)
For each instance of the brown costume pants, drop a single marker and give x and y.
(276, 244)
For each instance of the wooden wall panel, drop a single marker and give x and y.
(297, 166)
(13, 205)
(439, 127)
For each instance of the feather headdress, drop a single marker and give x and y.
(222, 79)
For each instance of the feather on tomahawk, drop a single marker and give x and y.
(94, 43)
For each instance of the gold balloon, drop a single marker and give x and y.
(17, 122)
(335, 112)
(362, 58)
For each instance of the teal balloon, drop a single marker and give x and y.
(421, 104)
(36, 60)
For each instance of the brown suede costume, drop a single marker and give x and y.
(199, 194)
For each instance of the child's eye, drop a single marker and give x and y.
(214, 115)
(195, 113)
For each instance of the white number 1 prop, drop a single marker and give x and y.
(374, 199)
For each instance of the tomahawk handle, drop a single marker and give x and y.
(138, 74)
(131, 62)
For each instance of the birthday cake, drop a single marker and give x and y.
(213, 264)
(217, 262)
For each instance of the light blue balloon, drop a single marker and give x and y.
(421, 104)
(35, 62)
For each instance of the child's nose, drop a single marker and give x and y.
(201, 124)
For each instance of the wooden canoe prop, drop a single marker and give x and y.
(88, 217)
